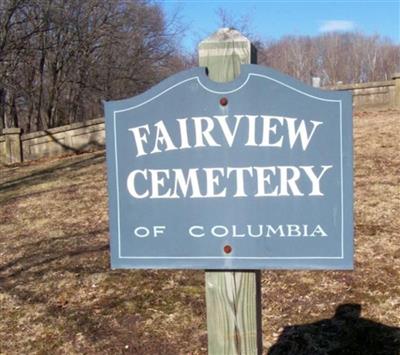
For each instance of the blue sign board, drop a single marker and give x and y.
(251, 174)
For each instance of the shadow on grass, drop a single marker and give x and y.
(346, 333)
(23, 279)
(45, 251)
(39, 276)
(51, 172)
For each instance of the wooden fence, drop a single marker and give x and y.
(16, 147)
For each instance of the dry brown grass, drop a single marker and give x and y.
(58, 295)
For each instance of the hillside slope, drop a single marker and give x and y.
(58, 295)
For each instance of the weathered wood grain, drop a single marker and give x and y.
(233, 297)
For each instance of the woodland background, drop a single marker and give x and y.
(60, 58)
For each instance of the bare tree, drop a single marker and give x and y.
(335, 57)
(60, 58)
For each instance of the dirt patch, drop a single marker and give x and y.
(58, 294)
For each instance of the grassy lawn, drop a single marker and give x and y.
(59, 296)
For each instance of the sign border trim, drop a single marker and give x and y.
(249, 75)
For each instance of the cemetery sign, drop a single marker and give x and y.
(251, 174)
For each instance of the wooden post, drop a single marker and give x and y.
(396, 96)
(13, 152)
(233, 297)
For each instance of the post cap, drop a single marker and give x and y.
(396, 76)
(226, 42)
(225, 34)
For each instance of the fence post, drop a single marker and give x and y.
(233, 297)
(13, 149)
(396, 78)
(316, 81)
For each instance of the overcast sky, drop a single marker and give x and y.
(274, 19)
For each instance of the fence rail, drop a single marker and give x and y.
(16, 147)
